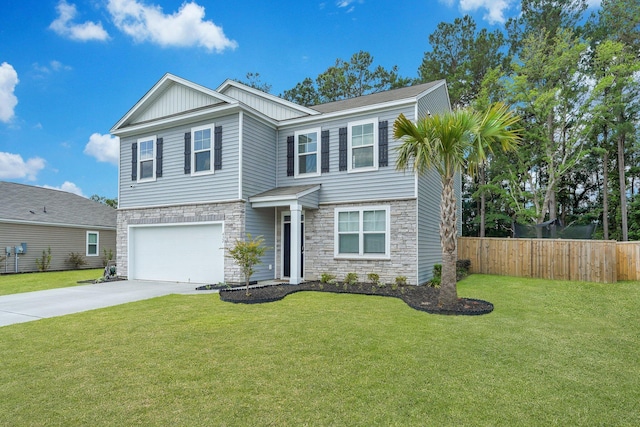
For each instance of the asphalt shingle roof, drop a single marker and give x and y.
(19, 202)
(375, 98)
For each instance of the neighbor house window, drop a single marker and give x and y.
(147, 159)
(363, 145)
(202, 154)
(362, 232)
(306, 154)
(93, 239)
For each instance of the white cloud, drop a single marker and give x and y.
(13, 166)
(64, 26)
(52, 67)
(594, 3)
(105, 148)
(495, 8)
(186, 27)
(67, 186)
(8, 101)
(350, 4)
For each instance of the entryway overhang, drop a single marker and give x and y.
(296, 199)
(303, 195)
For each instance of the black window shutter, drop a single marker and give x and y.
(383, 144)
(290, 155)
(217, 148)
(325, 151)
(342, 146)
(134, 161)
(159, 143)
(187, 152)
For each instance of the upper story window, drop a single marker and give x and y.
(306, 152)
(363, 145)
(362, 232)
(201, 152)
(93, 238)
(147, 159)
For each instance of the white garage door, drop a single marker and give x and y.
(177, 253)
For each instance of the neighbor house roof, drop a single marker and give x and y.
(28, 204)
(409, 92)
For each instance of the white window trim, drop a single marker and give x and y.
(97, 233)
(350, 125)
(139, 165)
(297, 173)
(362, 255)
(211, 150)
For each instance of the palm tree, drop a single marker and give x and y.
(449, 143)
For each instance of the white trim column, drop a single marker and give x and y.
(295, 275)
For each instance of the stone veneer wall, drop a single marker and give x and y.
(319, 245)
(232, 214)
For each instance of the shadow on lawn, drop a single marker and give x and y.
(423, 298)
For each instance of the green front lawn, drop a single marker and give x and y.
(551, 353)
(28, 282)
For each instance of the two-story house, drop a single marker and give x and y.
(200, 168)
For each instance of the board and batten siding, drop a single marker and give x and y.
(173, 100)
(61, 240)
(175, 187)
(265, 106)
(342, 186)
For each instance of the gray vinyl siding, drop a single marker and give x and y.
(259, 175)
(61, 240)
(176, 187)
(261, 222)
(258, 157)
(435, 102)
(429, 249)
(337, 186)
(175, 99)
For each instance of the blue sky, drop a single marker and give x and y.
(70, 69)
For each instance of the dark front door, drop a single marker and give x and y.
(286, 247)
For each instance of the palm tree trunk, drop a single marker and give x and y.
(448, 239)
(483, 199)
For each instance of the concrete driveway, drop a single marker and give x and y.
(28, 306)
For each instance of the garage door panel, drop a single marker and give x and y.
(181, 253)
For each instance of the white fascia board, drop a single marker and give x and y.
(346, 113)
(54, 224)
(227, 83)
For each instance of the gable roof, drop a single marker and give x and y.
(171, 96)
(28, 204)
(270, 105)
(409, 92)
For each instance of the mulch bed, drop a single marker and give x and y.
(423, 298)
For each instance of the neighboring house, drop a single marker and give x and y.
(41, 218)
(200, 168)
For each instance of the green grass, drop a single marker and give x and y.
(28, 282)
(551, 353)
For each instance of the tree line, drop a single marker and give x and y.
(573, 78)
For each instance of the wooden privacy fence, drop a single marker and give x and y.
(603, 261)
(628, 260)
